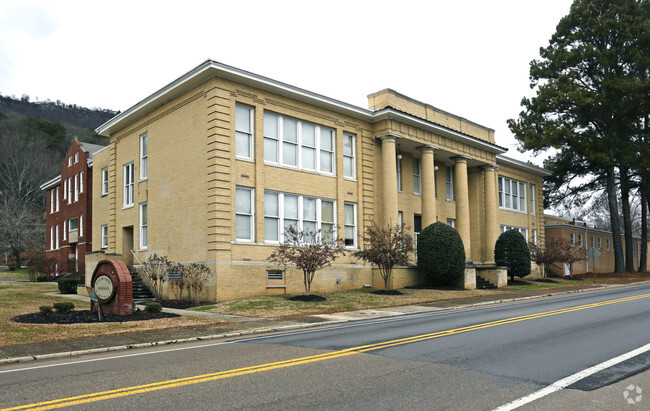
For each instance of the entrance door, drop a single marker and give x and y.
(127, 245)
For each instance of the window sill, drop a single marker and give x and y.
(302, 170)
(246, 159)
(513, 211)
(126, 207)
(143, 179)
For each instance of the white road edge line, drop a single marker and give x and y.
(565, 382)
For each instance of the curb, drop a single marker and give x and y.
(283, 328)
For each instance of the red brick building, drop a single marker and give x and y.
(68, 223)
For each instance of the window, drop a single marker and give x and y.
(143, 156)
(417, 176)
(104, 181)
(523, 231)
(449, 182)
(609, 245)
(73, 224)
(573, 239)
(52, 201)
(76, 158)
(81, 182)
(70, 161)
(580, 243)
(81, 226)
(52, 238)
(244, 131)
(534, 239)
(398, 162)
(296, 143)
(64, 230)
(308, 214)
(533, 209)
(512, 194)
(57, 238)
(104, 236)
(600, 243)
(350, 224)
(143, 225)
(349, 165)
(451, 222)
(244, 214)
(128, 184)
(57, 199)
(593, 241)
(69, 190)
(65, 189)
(76, 188)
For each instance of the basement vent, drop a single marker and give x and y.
(274, 275)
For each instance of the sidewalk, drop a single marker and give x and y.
(238, 326)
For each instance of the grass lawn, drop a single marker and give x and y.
(20, 274)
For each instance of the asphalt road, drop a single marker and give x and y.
(480, 358)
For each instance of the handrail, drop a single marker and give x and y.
(141, 266)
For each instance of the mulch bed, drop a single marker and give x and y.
(308, 298)
(87, 316)
(387, 292)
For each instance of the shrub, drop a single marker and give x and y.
(36, 264)
(441, 254)
(152, 308)
(63, 307)
(67, 285)
(511, 251)
(45, 309)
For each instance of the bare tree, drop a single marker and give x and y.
(197, 276)
(306, 251)
(386, 247)
(552, 251)
(157, 267)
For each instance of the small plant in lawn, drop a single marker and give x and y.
(152, 308)
(511, 251)
(441, 254)
(45, 309)
(67, 285)
(63, 307)
(386, 247)
(309, 251)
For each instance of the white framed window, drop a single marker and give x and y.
(299, 144)
(104, 236)
(76, 188)
(65, 188)
(417, 176)
(244, 126)
(400, 219)
(52, 201)
(104, 181)
(349, 151)
(451, 222)
(144, 150)
(573, 239)
(350, 224)
(81, 182)
(76, 158)
(593, 241)
(580, 243)
(81, 226)
(69, 190)
(533, 209)
(512, 194)
(64, 230)
(609, 245)
(57, 237)
(143, 226)
(398, 162)
(51, 237)
(244, 213)
(534, 237)
(128, 184)
(309, 214)
(600, 243)
(449, 183)
(70, 161)
(57, 199)
(523, 231)
(73, 224)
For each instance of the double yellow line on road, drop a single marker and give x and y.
(141, 389)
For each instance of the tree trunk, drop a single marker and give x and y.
(307, 282)
(643, 250)
(617, 244)
(627, 220)
(17, 258)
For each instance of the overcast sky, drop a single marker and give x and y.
(470, 57)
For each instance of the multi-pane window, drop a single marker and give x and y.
(105, 236)
(398, 162)
(70, 161)
(128, 184)
(573, 239)
(600, 243)
(76, 188)
(297, 143)
(52, 238)
(69, 190)
(534, 239)
(65, 189)
(349, 147)
(580, 243)
(449, 183)
(64, 230)
(306, 214)
(417, 176)
(512, 194)
(244, 213)
(81, 226)
(143, 225)
(451, 222)
(244, 131)
(104, 181)
(81, 182)
(57, 199)
(73, 224)
(593, 241)
(350, 224)
(523, 231)
(533, 209)
(76, 158)
(57, 237)
(609, 245)
(144, 150)
(52, 201)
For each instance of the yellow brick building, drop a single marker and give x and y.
(213, 166)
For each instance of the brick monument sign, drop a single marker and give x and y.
(113, 287)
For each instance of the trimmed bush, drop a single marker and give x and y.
(511, 251)
(152, 308)
(441, 254)
(68, 285)
(45, 309)
(63, 307)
